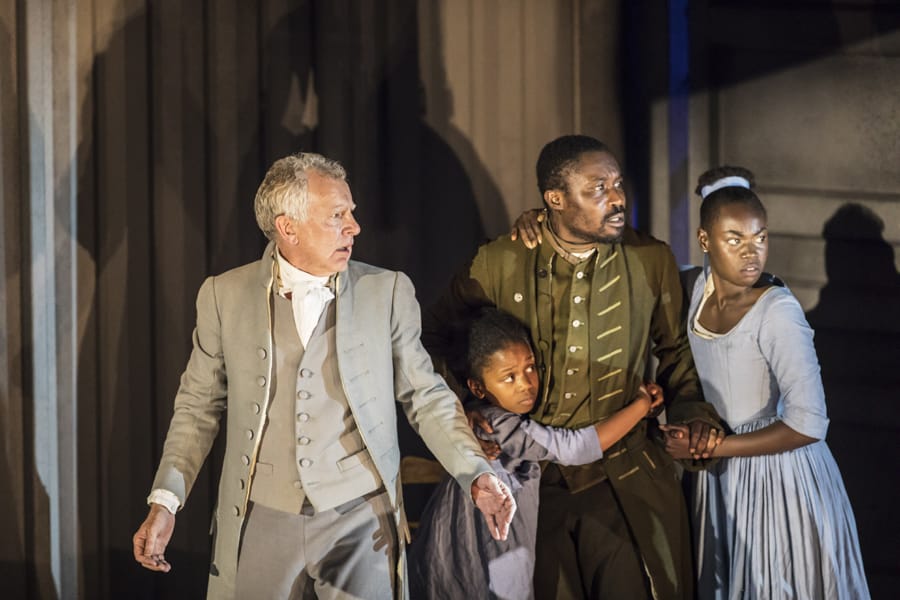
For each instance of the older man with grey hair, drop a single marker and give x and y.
(309, 351)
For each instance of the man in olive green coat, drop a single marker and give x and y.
(598, 296)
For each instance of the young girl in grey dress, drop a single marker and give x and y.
(453, 555)
(772, 517)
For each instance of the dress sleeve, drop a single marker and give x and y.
(786, 342)
(520, 437)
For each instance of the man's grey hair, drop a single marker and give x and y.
(285, 188)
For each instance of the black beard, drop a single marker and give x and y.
(610, 239)
(597, 238)
(606, 239)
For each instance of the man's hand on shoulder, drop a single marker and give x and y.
(528, 227)
(152, 537)
(496, 503)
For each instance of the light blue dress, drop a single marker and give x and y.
(775, 526)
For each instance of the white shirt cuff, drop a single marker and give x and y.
(164, 498)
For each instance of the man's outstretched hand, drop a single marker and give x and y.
(152, 537)
(495, 502)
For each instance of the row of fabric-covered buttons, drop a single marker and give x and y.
(255, 408)
(303, 417)
(581, 287)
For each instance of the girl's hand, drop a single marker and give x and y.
(656, 399)
(528, 227)
(651, 396)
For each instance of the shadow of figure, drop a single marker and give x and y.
(124, 320)
(857, 325)
(426, 202)
(416, 202)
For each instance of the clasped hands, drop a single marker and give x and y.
(695, 440)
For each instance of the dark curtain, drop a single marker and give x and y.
(189, 104)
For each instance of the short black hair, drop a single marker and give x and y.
(559, 156)
(725, 196)
(492, 330)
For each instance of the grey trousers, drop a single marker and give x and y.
(344, 553)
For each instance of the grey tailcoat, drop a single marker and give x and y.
(380, 359)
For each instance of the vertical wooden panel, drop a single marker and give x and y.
(48, 76)
(601, 52)
(503, 105)
(39, 330)
(13, 464)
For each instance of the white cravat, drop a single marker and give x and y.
(309, 296)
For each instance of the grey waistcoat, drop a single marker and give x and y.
(311, 447)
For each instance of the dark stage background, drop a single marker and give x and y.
(135, 132)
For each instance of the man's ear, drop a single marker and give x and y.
(287, 229)
(554, 199)
(476, 387)
(703, 239)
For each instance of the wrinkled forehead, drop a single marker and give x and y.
(596, 164)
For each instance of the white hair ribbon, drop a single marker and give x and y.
(730, 181)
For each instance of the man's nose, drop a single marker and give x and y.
(351, 226)
(617, 197)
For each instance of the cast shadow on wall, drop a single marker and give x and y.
(857, 338)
